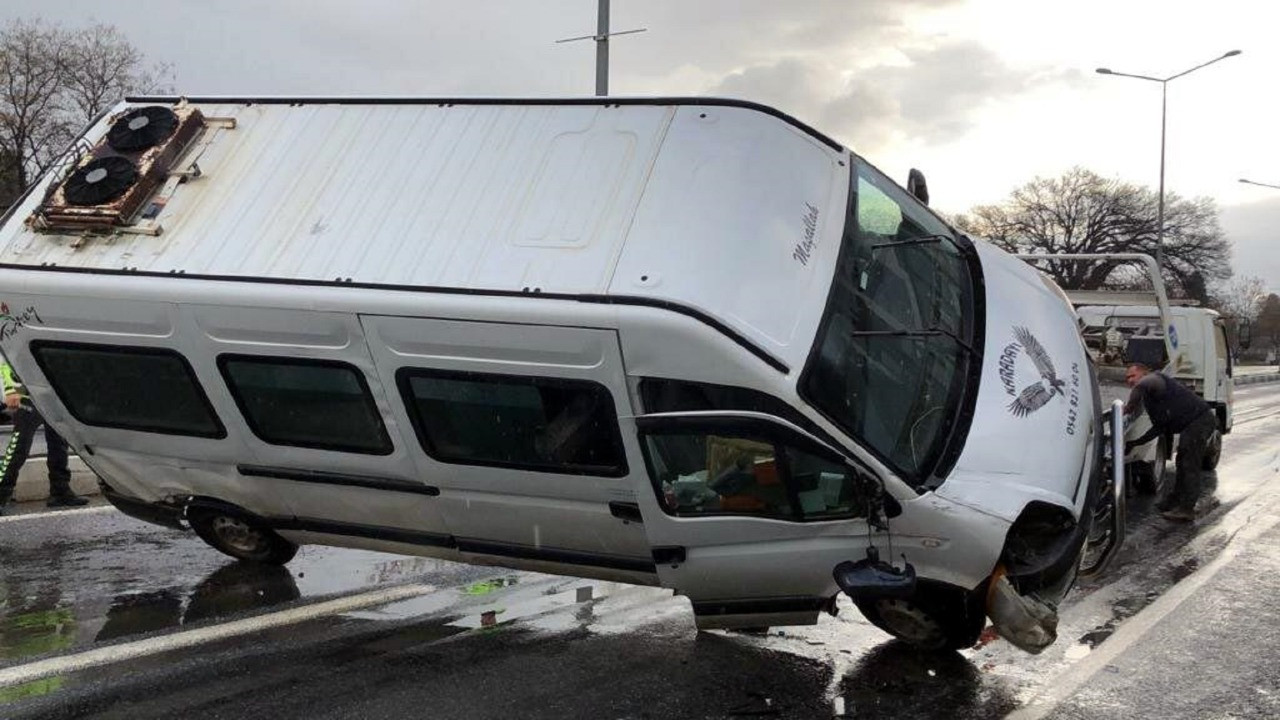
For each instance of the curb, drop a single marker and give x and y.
(33, 480)
(1257, 379)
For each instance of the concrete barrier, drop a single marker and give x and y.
(1257, 378)
(33, 480)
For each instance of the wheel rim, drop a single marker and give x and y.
(1158, 466)
(906, 621)
(237, 535)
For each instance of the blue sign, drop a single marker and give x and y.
(1173, 337)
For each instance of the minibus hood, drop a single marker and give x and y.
(1034, 413)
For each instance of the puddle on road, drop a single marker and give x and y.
(895, 679)
(1184, 569)
(1121, 610)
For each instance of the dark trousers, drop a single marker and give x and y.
(25, 422)
(1192, 443)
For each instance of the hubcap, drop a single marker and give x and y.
(237, 534)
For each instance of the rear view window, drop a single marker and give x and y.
(547, 424)
(306, 403)
(147, 389)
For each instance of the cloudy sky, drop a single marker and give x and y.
(983, 95)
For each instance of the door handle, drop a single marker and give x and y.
(669, 555)
(628, 511)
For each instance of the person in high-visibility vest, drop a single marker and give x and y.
(25, 421)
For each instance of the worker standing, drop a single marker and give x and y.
(1173, 409)
(26, 419)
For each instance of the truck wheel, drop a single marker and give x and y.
(1212, 451)
(930, 620)
(1151, 475)
(240, 538)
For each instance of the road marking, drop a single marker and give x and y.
(1132, 631)
(52, 513)
(19, 674)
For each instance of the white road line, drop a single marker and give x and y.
(51, 513)
(1132, 630)
(140, 648)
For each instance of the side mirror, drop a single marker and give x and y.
(873, 579)
(917, 186)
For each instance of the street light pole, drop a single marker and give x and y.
(602, 46)
(1164, 114)
(1260, 184)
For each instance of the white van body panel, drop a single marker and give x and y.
(1015, 452)
(580, 241)
(761, 270)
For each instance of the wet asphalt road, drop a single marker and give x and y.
(474, 642)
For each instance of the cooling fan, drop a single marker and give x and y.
(142, 128)
(100, 181)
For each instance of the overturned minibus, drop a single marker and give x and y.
(692, 343)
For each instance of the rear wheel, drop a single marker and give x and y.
(1212, 451)
(240, 538)
(931, 620)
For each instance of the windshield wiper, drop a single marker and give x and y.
(928, 332)
(924, 240)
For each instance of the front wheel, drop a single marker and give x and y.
(240, 538)
(931, 620)
(1151, 475)
(1212, 452)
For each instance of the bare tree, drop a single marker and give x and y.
(1241, 298)
(102, 67)
(1267, 329)
(1082, 212)
(1240, 302)
(53, 81)
(33, 120)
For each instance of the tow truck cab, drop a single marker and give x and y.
(690, 343)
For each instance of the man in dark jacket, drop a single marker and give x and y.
(25, 421)
(1173, 409)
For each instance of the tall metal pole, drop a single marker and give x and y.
(602, 50)
(1164, 114)
(1164, 108)
(602, 46)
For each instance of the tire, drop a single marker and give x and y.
(1213, 452)
(931, 620)
(1139, 478)
(1150, 475)
(240, 538)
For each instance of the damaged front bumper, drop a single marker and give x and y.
(1022, 605)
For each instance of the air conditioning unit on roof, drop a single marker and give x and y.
(114, 180)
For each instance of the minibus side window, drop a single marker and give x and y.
(130, 388)
(531, 423)
(663, 395)
(321, 404)
(720, 474)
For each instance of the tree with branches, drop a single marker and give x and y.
(1267, 329)
(53, 81)
(1240, 302)
(1082, 212)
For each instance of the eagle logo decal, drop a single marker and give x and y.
(1036, 395)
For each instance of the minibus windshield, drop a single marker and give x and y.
(893, 350)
